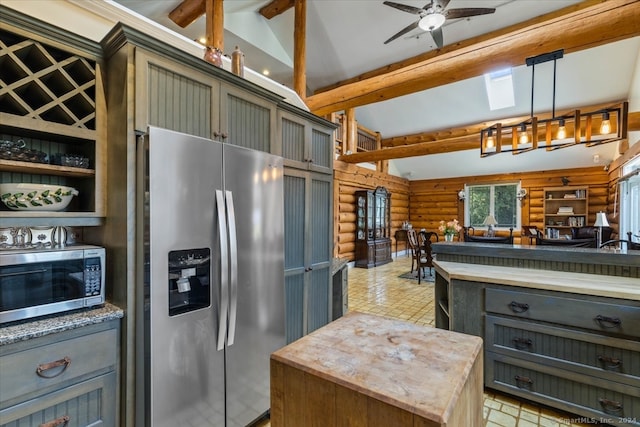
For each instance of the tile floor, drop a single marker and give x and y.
(380, 291)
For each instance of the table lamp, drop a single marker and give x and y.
(601, 221)
(490, 221)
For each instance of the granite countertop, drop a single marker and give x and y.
(417, 368)
(563, 281)
(25, 330)
(337, 264)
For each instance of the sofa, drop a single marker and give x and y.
(585, 237)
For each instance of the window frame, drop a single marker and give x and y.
(492, 185)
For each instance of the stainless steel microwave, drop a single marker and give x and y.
(36, 282)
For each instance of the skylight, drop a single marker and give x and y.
(499, 85)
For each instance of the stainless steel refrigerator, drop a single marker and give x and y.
(211, 280)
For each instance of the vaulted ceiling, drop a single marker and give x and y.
(429, 103)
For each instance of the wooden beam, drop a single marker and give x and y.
(585, 25)
(187, 12)
(459, 139)
(352, 131)
(215, 23)
(299, 49)
(275, 8)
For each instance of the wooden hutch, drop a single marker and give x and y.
(373, 227)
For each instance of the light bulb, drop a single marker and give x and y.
(605, 126)
(523, 136)
(562, 131)
(490, 141)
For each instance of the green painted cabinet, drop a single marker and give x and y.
(306, 141)
(52, 118)
(68, 378)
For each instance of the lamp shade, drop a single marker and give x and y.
(601, 220)
(490, 220)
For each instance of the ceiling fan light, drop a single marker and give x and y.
(431, 22)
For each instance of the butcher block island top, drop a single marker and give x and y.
(366, 370)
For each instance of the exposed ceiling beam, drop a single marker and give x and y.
(275, 8)
(585, 25)
(459, 139)
(187, 12)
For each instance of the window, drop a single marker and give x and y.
(498, 200)
(630, 199)
(499, 85)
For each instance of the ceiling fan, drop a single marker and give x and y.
(432, 17)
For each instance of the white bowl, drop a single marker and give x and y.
(36, 197)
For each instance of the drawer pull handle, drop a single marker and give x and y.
(611, 407)
(523, 382)
(607, 322)
(522, 343)
(64, 420)
(518, 307)
(610, 363)
(42, 369)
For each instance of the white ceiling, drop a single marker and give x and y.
(346, 38)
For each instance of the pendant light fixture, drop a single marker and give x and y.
(587, 128)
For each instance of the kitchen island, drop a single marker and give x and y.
(368, 370)
(561, 326)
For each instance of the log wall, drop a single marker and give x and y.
(425, 203)
(347, 180)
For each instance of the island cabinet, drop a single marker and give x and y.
(67, 378)
(567, 340)
(52, 118)
(306, 143)
(366, 370)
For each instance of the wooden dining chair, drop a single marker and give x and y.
(421, 255)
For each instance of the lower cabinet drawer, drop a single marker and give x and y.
(608, 316)
(90, 403)
(605, 401)
(614, 359)
(49, 365)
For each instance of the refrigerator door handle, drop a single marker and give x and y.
(224, 273)
(233, 257)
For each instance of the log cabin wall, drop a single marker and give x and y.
(348, 179)
(425, 203)
(434, 200)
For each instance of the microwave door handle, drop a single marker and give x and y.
(223, 303)
(233, 257)
(22, 273)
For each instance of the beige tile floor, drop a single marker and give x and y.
(380, 291)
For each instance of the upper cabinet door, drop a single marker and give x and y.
(246, 120)
(175, 97)
(305, 145)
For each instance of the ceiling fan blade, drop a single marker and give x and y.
(467, 12)
(404, 7)
(405, 30)
(442, 3)
(437, 37)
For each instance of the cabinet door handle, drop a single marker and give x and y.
(522, 343)
(518, 307)
(610, 363)
(223, 135)
(610, 407)
(42, 369)
(523, 382)
(63, 420)
(607, 322)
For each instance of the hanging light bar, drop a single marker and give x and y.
(611, 124)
